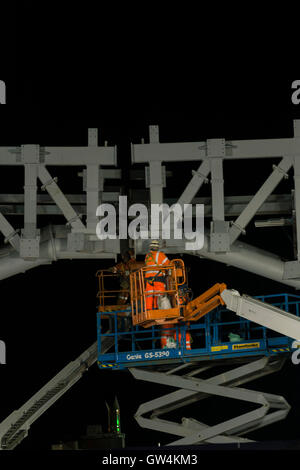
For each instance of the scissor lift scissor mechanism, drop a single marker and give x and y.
(191, 389)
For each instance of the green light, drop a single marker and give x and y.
(118, 421)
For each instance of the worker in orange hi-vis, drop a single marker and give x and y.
(183, 298)
(155, 286)
(127, 265)
(168, 337)
(155, 277)
(187, 339)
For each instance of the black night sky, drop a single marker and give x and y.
(48, 314)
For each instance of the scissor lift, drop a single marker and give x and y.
(219, 340)
(218, 335)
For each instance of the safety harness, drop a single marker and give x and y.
(159, 277)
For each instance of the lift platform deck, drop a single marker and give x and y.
(218, 335)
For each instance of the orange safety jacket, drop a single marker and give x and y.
(155, 259)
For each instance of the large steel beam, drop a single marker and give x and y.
(50, 250)
(276, 204)
(242, 256)
(108, 196)
(195, 151)
(53, 247)
(64, 156)
(199, 177)
(251, 259)
(279, 171)
(10, 234)
(59, 198)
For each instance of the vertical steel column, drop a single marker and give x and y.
(155, 171)
(156, 183)
(29, 245)
(155, 174)
(92, 186)
(30, 200)
(217, 189)
(219, 237)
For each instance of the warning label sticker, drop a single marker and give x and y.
(218, 348)
(245, 346)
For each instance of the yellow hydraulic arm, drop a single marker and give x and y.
(203, 304)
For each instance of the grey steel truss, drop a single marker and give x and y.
(28, 246)
(222, 240)
(81, 237)
(270, 408)
(228, 216)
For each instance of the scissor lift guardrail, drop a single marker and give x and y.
(139, 346)
(261, 351)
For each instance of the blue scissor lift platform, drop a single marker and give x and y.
(218, 335)
(219, 339)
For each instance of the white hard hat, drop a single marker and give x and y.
(154, 244)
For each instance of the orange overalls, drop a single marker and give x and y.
(154, 259)
(187, 339)
(183, 301)
(168, 333)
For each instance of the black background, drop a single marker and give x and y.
(74, 69)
